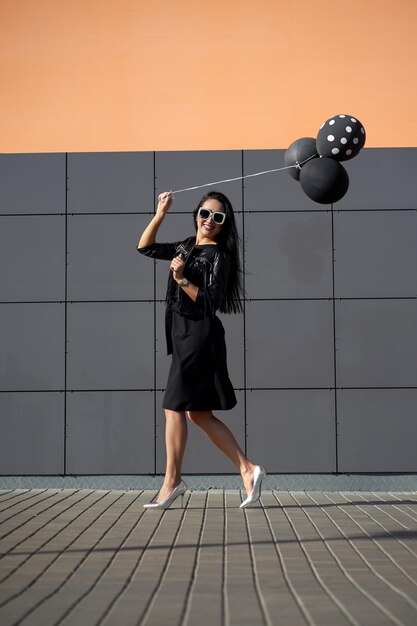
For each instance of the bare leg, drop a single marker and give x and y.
(224, 439)
(175, 440)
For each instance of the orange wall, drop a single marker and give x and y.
(103, 75)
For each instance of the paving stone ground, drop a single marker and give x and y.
(87, 557)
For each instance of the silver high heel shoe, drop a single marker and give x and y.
(178, 491)
(258, 475)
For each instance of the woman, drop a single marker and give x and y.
(205, 277)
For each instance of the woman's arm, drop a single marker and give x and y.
(177, 269)
(149, 234)
(217, 280)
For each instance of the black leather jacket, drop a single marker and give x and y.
(206, 266)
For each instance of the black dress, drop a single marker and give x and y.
(198, 379)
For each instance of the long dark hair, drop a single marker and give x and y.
(228, 239)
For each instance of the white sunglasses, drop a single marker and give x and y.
(218, 217)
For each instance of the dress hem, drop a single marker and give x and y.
(188, 408)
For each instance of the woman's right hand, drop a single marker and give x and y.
(165, 200)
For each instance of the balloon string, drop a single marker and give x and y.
(229, 180)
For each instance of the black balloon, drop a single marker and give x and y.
(298, 152)
(341, 137)
(324, 180)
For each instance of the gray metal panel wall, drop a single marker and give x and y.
(324, 358)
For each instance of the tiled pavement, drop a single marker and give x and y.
(91, 557)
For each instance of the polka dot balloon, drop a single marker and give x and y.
(341, 137)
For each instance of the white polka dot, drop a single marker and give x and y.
(335, 150)
(348, 129)
(348, 152)
(342, 115)
(330, 137)
(343, 140)
(331, 122)
(362, 130)
(356, 140)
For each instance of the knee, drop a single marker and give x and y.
(199, 417)
(174, 415)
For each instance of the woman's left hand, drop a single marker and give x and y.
(177, 268)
